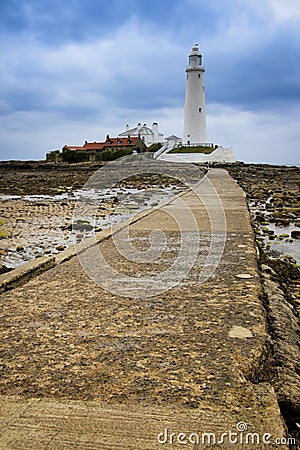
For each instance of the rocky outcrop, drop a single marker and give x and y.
(284, 330)
(273, 199)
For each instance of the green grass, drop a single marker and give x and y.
(154, 147)
(198, 149)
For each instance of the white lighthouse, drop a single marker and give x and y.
(194, 128)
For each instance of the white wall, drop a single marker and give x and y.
(221, 154)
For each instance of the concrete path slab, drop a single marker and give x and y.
(83, 367)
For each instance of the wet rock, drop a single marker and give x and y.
(295, 234)
(283, 236)
(4, 269)
(282, 222)
(260, 217)
(82, 225)
(270, 207)
(60, 248)
(67, 227)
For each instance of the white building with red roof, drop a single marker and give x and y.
(148, 135)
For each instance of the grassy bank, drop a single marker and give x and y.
(196, 149)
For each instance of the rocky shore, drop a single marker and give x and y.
(273, 194)
(274, 202)
(42, 178)
(37, 202)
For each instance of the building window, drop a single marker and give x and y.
(200, 109)
(187, 76)
(199, 75)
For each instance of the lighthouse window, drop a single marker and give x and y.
(187, 76)
(199, 75)
(200, 109)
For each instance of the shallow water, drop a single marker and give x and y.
(41, 236)
(282, 247)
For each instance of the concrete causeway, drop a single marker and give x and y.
(168, 367)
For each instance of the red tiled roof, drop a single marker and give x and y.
(109, 143)
(121, 142)
(93, 146)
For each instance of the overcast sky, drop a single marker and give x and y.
(76, 70)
